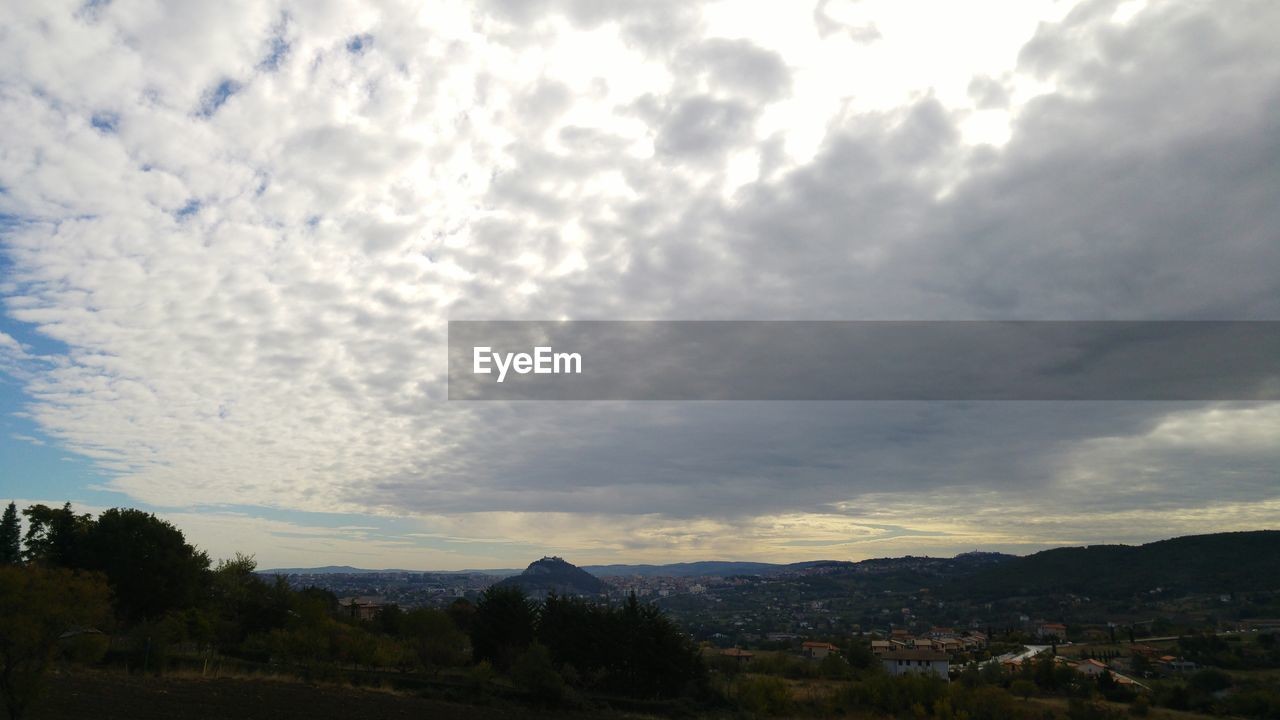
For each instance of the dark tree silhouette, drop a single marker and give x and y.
(632, 650)
(10, 537)
(55, 536)
(148, 563)
(503, 625)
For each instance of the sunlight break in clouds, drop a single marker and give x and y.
(242, 227)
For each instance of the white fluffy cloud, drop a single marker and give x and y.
(250, 222)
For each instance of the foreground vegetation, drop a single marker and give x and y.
(126, 590)
(120, 607)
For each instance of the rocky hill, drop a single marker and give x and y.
(553, 574)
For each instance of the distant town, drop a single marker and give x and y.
(912, 614)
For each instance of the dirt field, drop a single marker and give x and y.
(105, 696)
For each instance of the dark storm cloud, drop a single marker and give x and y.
(733, 460)
(1141, 188)
(1131, 193)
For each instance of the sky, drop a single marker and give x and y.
(232, 234)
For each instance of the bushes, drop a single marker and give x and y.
(762, 694)
(534, 673)
(434, 639)
(1022, 688)
(834, 667)
(927, 696)
(987, 703)
(38, 606)
(784, 665)
(1081, 709)
(896, 695)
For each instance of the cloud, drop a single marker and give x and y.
(250, 237)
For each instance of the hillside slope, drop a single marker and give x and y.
(1217, 563)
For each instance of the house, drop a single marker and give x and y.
(879, 647)
(361, 608)
(743, 657)
(1128, 682)
(818, 650)
(1090, 667)
(1057, 630)
(902, 638)
(921, 661)
(945, 645)
(1094, 668)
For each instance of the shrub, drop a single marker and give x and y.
(534, 673)
(762, 694)
(1022, 688)
(37, 607)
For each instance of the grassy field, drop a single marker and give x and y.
(117, 696)
(1059, 707)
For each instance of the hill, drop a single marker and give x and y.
(704, 568)
(349, 570)
(1217, 563)
(325, 570)
(553, 574)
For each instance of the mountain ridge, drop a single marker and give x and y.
(1217, 557)
(1214, 562)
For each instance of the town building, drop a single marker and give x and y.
(818, 650)
(916, 660)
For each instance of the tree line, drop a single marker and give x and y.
(129, 587)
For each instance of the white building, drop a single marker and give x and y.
(917, 660)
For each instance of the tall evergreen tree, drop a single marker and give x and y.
(503, 625)
(10, 537)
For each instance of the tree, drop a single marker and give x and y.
(244, 604)
(834, 667)
(10, 537)
(1022, 688)
(56, 536)
(460, 612)
(503, 625)
(434, 638)
(38, 606)
(149, 564)
(859, 655)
